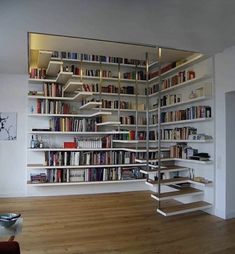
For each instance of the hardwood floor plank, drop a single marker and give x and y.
(115, 223)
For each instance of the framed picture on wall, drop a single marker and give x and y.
(8, 125)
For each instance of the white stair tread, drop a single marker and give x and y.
(188, 191)
(169, 181)
(170, 168)
(184, 208)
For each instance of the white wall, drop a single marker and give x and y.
(224, 82)
(230, 153)
(13, 90)
(200, 25)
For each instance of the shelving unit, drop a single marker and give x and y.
(181, 94)
(74, 80)
(155, 113)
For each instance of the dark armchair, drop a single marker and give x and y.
(9, 247)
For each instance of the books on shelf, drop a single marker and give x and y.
(86, 175)
(194, 112)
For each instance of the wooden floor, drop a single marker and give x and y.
(115, 223)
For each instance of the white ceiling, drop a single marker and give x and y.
(205, 26)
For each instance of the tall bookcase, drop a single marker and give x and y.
(104, 112)
(183, 169)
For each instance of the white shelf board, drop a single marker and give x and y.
(153, 110)
(98, 62)
(50, 98)
(86, 183)
(156, 170)
(187, 121)
(43, 58)
(63, 77)
(71, 86)
(53, 68)
(176, 159)
(187, 102)
(38, 166)
(91, 105)
(78, 96)
(73, 149)
(86, 77)
(81, 95)
(70, 115)
(126, 141)
(153, 94)
(78, 133)
(35, 80)
(108, 123)
(187, 141)
(153, 160)
(154, 79)
(184, 65)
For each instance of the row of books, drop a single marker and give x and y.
(64, 158)
(96, 58)
(52, 107)
(178, 133)
(193, 112)
(170, 99)
(180, 77)
(37, 73)
(182, 151)
(52, 89)
(104, 142)
(140, 75)
(72, 124)
(93, 87)
(166, 68)
(85, 175)
(132, 135)
(109, 89)
(152, 89)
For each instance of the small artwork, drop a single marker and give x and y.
(8, 125)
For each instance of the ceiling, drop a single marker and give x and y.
(205, 26)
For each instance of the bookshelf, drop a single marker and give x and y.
(155, 112)
(67, 103)
(183, 97)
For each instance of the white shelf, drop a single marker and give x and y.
(187, 102)
(186, 83)
(71, 86)
(38, 166)
(153, 94)
(86, 183)
(184, 65)
(187, 121)
(91, 105)
(78, 133)
(175, 159)
(78, 96)
(63, 77)
(132, 80)
(97, 62)
(35, 80)
(193, 161)
(153, 160)
(187, 141)
(163, 169)
(70, 115)
(86, 77)
(108, 123)
(43, 58)
(53, 68)
(73, 149)
(126, 141)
